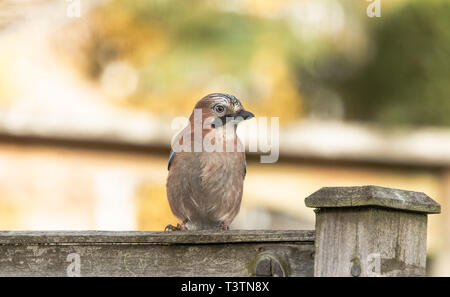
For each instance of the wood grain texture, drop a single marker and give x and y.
(349, 240)
(373, 196)
(230, 253)
(156, 237)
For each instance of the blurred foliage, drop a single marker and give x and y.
(407, 79)
(183, 50)
(278, 61)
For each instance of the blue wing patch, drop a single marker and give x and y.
(245, 168)
(172, 154)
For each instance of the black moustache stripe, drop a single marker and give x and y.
(222, 120)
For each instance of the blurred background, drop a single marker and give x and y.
(87, 99)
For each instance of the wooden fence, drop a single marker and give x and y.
(360, 231)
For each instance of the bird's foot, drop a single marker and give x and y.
(178, 227)
(222, 226)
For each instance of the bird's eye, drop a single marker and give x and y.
(219, 108)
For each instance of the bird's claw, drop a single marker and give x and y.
(178, 227)
(222, 226)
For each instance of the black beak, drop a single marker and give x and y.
(245, 114)
(239, 117)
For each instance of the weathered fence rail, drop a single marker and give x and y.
(231, 253)
(360, 231)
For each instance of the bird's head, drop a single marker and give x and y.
(222, 109)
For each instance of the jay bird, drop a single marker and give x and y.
(204, 188)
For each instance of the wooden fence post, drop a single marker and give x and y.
(370, 231)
